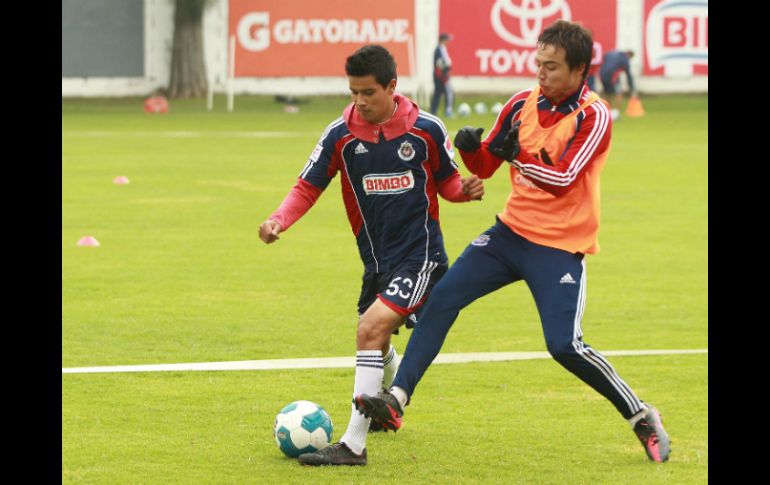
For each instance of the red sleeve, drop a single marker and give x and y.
(480, 162)
(297, 202)
(591, 140)
(451, 189)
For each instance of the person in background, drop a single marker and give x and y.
(442, 64)
(596, 63)
(614, 64)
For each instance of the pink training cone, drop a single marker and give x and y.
(121, 180)
(88, 241)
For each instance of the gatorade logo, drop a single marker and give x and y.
(255, 32)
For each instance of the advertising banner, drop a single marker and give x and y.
(499, 37)
(676, 38)
(313, 38)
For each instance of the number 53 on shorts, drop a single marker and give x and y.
(401, 287)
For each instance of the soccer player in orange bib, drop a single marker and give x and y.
(556, 139)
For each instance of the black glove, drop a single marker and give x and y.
(511, 147)
(468, 139)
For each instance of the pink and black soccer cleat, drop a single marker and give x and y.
(654, 438)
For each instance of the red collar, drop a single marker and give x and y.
(402, 121)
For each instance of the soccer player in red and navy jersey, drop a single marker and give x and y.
(555, 139)
(393, 160)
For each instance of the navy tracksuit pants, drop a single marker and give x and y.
(557, 281)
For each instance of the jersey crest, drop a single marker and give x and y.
(406, 151)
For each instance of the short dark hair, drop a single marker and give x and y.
(575, 39)
(372, 59)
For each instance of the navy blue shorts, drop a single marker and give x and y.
(403, 289)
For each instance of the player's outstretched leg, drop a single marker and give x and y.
(383, 409)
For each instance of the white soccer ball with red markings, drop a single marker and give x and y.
(302, 427)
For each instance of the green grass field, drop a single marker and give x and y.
(181, 276)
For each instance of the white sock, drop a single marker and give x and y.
(390, 362)
(636, 417)
(400, 396)
(369, 372)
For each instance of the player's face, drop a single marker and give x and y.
(556, 79)
(374, 102)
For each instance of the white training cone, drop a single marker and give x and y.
(120, 180)
(88, 241)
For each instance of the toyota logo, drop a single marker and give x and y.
(530, 14)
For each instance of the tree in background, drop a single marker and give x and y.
(188, 68)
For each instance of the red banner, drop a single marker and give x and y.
(676, 38)
(499, 37)
(313, 38)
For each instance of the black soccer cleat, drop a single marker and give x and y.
(375, 427)
(336, 454)
(654, 438)
(383, 408)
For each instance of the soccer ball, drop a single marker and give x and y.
(480, 108)
(302, 427)
(497, 108)
(464, 109)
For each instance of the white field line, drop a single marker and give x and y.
(192, 134)
(336, 362)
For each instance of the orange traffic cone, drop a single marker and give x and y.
(634, 108)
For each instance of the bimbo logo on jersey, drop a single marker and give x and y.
(388, 183)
